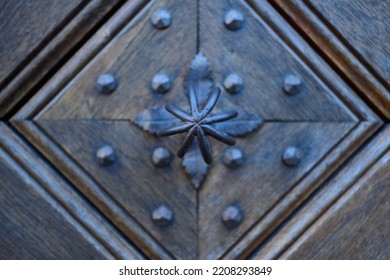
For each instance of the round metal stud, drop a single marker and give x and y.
(234, 20)
(233, 83)
(161, 157)
(161, 83)
(292, 85)
(162, 216)
(105, 155)
(291, 156)
(106, 83)
(161, 19)
(233, 157)
(232, 216)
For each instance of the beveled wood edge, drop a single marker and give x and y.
(73, 172)
(318, 33)
(48, 58)
(299, 47)
(42, 44)
(324, 168)
(326, 74)
(331, 192)
(80, 59)
(54, 185)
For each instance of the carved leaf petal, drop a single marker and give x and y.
(242, 125)
(194, 165)
(200, 74)
(154, 119)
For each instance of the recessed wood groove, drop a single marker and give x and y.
(279, 242)
(103, 201)
(353, 51)
(22, 153)
(58, 29)
(335, 53)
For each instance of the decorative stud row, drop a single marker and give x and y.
(161, 83)
(233, 157)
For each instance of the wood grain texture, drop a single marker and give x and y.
(41, 57)
(329, 192)
(263, 60)
(338, 53)
(305, 187)
(53, 183)
(263, 179)
(133, 182)
(138, 53)
(21, 38)
(95, 193)
(34, 225)
(87, 52)
(364, 26)
(355, 227)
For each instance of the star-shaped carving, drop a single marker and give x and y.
(198, 124)
(167, 120)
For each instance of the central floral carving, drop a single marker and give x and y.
(198, 123)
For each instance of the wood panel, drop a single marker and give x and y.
(138, 53)
(262, 181)
(255, 53)
(35, 224)
(355, 227)
(133, 182)
(314, 26)
(37, 36)
(364, 26)
(346, 177)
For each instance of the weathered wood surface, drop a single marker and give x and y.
(263, 179)
(138, 53)
(364, 26)
(360, 53)
(347, 177)
(356, 226)
(42, 217)
(256, 54)
(132, 180)
(34, 46)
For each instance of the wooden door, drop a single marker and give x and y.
(85, 171)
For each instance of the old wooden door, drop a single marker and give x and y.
(85, 172)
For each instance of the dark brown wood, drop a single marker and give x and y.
(42, 217)
(346, 178)
(364, 27)
(34, 47)
(338, 51)
(355, 226)
(138, 53)
(259, 205)
(133, 181)
(255, 53)
(76, 174)
(262, 180)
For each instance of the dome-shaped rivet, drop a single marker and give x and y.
(161, 83)
(232, 216)
(161, 19)
(233, 83)
(233, 157)
(291, 156)
(105, 155)
(234, 20)
(162, 216)
(106, 83)
(161, 157)
(292, 85)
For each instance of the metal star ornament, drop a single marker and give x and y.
(198, 123)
